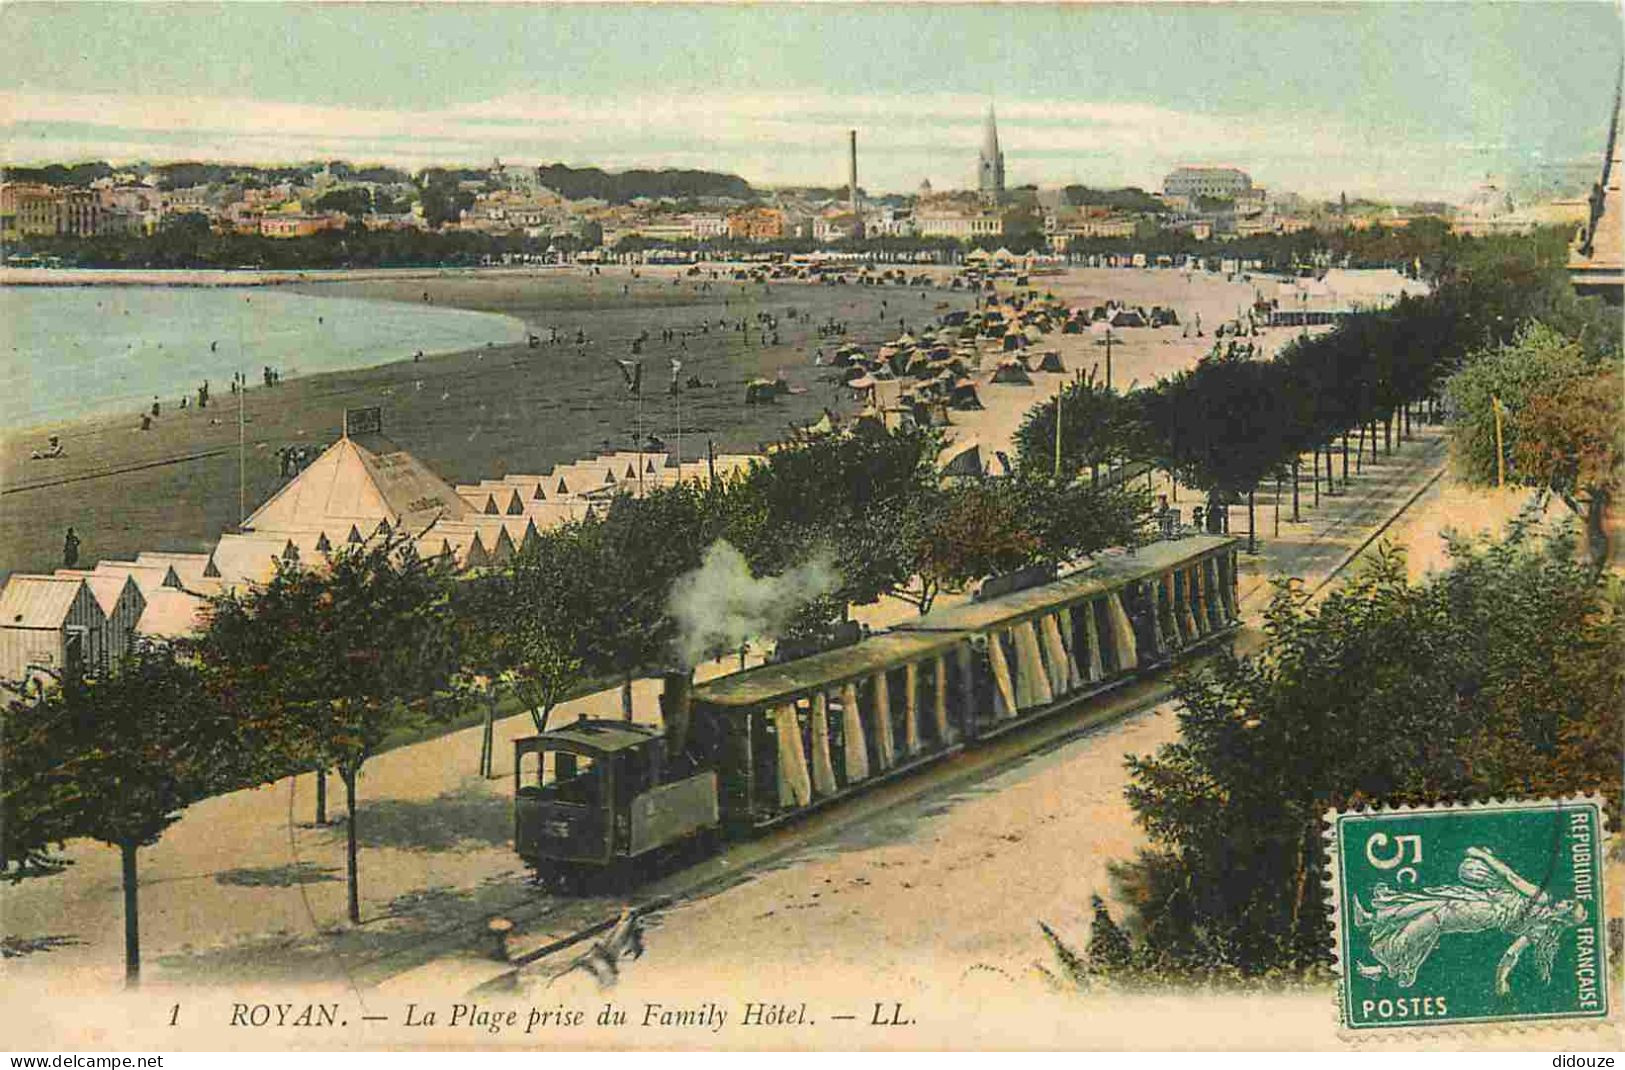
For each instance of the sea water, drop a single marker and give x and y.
(77, 351)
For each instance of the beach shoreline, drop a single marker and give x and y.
(470, 414)
(232, 277)
(505, 409)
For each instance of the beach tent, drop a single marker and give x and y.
(361, 479)
(147, 577)
(477, 499)
(964, 396)
(1127, 317)
(1013, 342)
(761, 392)
(1051, 362)
(962, 459)
(193, 569)
(1012, 372)
(530, 486)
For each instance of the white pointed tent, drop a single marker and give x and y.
(364, 480)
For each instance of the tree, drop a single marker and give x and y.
(1567, 439)
(1072, 518)
(1559, 425)
(117, 758)
(1226, 424)
(1496, 677)
(966, 531)
(858, 494)
(527, 626)
(355, 201)
(632, 555)
(353, 652)
(1097, 428)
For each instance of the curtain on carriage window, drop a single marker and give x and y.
(1172, 628)
(1182, 606)
(1075, 656)
(1091, 636)
(1004, 691)
(1199, 600)
(885, 741)
(823, 769)
(1225, 567)
(1123, 643)
(1063, 670)
(1032, 679)
(939, 701)
(911, 709)
(853, 748)
(795, 785)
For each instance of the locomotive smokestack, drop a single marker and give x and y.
(674, 709)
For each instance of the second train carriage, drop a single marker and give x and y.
(750, 750)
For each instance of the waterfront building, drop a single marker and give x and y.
(756, 224)
(963, 224)
(54, 211)
(1219, 183)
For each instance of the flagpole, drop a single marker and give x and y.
(242, 488)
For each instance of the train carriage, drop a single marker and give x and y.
(762, 746)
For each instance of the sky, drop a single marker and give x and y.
(1398, 100)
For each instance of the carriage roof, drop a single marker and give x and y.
(591, 735)
(940, 629)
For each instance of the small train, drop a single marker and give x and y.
(748, 751)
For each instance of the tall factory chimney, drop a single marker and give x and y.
(852, 183)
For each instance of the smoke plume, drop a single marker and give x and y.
(720, 605)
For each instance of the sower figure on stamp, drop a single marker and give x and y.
(1405, 927)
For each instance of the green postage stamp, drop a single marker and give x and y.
(1489, 912)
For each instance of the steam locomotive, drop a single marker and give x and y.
(748, 751)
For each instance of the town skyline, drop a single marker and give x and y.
(1107, 97)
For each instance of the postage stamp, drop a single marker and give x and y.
(1476, 913)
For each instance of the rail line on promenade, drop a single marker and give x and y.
(554, 925)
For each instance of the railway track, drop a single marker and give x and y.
(548, 925)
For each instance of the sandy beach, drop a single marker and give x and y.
(488, 412)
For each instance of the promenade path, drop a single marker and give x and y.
(243, 889)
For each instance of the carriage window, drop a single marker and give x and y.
(529, 772)
(560, 767)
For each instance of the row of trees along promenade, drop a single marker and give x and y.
(322, 669)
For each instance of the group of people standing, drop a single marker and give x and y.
(294, 459)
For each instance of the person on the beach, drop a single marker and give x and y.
(70, 550)
(156, 408)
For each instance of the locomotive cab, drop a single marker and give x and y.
(592, 792)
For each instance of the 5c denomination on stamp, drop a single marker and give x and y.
(1458, 914)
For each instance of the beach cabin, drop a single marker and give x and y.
(121, 602)
(49, 625)
(172, 614)
(147, 577)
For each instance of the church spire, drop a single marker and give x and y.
(990, 161)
